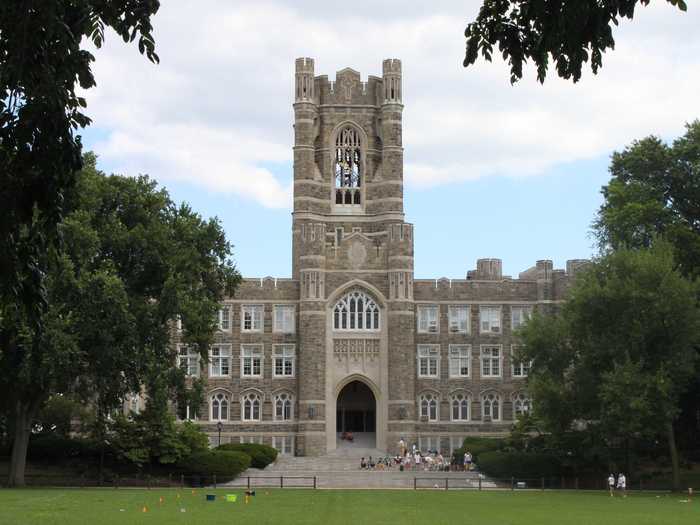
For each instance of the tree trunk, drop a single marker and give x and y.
(675, 464)
(18, 460)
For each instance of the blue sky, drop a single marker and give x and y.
(518, 220)
(491, 170)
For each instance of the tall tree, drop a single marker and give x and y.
(654, 191)
(43, 61)
(571, 32)
(621, 351)
(132, 262)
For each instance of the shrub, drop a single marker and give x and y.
(223, 464)
(261, 455)
(54, 447)
(192, 437)
(56, 415)
(500, 464)
(477, 446)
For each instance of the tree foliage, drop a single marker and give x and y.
(43, 61)
(132, 261)
(57, 415)
(567, 33)
(654, 191)
(620, 353)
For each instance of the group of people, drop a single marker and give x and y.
(620, 484)
(378, 464)
(415, 460)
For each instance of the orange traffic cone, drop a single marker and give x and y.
(144, 509)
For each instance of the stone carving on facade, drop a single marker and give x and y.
(354, 353)
(357, 254)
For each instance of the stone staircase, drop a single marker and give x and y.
(341, 469)
(334, 462)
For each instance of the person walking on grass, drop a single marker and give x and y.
(611, 484)
(622, 484)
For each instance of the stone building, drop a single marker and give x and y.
(353, 342)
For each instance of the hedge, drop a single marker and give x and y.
(54, 447)
(499, 464)
(261, 455)
(477, 446)
(223, 464)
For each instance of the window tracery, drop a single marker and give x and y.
(251, 407)
(219, 407)
(356, 311)
(348, 167)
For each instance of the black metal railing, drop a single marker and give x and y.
(171, 480)
(517, 483)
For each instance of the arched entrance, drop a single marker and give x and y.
(356, 413)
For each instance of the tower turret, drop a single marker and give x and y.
(304, 77)
(389, 194)
(391, 73)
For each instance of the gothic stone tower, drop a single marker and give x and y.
(352, 252)
(352, 342)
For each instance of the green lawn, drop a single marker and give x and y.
(330, 507)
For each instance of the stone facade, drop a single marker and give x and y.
(349, 235)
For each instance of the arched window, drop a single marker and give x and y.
(356, 311)
(491, 406)
(251, 407)
(283, 407)
(521, 404)
(219, 407)
(429, 406)
(460, 407)
(348, 167)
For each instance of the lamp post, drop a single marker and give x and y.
(219, 427)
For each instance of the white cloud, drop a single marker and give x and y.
(217, 110)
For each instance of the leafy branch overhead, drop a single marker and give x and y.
(43, 61)
(566, 33)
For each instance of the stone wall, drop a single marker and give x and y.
(370, 246)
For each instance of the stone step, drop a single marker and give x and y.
(341, 469)
(364, 479)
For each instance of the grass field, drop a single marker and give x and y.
(329, 507)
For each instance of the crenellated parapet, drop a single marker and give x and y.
(348, 153)
(348, 88)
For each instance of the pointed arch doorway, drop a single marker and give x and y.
(356, 413)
